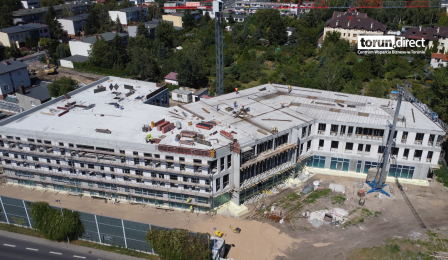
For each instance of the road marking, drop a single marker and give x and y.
(56, 253)
(9, 245)
(77, 256)
(33, 249)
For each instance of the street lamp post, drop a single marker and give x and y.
(62, 212)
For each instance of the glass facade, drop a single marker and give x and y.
(368, 165)
(339, 164)
(358, 166)
(401, 171)
(316, 161)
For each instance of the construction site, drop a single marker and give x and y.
(284, 170)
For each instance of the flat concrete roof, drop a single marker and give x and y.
(125, 125)
(301, 107)
(23, 28)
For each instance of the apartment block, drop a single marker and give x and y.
(95, 142)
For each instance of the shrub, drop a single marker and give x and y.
(53, 225)
(179, 244)
(442, 175)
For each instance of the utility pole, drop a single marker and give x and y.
(217, 10)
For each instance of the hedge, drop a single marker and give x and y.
(179, 244)
(83, 66)
(53, 225)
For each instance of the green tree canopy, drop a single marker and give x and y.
(62, 86)
(165, 34)
(53, 224)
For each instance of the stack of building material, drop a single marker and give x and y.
(162, 125)
(186, 142)
(204, 125)
(204, 142)
(177, 138)
(226, 135)
(189, 134)
(167, 128)
(157, 123)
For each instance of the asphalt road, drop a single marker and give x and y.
(13, 248)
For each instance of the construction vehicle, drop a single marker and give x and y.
(49, 69)
(236, 230)
(218, 233)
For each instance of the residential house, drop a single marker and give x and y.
(431, 35)
(176, 18)
(68, 62)
(438, 60)
(30, 4)
(126, 15)
(37, 15)
(236, 17)
(171, 78)
(170, 4)
(229, 28)
(84, 46)
(73, 25)
(34, 96)
(12, 75)
(151, 26)
(352, 24)
(17, 34)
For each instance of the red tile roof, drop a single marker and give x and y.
(444, 57)
(171, 76)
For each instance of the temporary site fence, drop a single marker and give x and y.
(97, 228)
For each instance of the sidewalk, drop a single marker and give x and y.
(93, 252)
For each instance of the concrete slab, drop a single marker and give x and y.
(233, 208)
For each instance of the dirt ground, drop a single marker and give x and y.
(79, 76)
(395, 220)
(264, 239)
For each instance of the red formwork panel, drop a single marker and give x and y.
(162, 125)
(204, 126)
(226, 134)
(184, 150)
(167, 128)
(159, 122)
(190, 134)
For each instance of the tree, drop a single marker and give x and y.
(277, 34)
(93, 21)
(87, 30)
(30, 42)
(63, 51)
(6, 19)
(99, 54)
(165, 34)
(142, 64)
(351, 58)
(231, 20)
(118, 53)
(190, 70)
(376, 88)
(54, 25)
(142, 30)
(443, 19)
(54, 224)
(118, 26)
(328, 76)
(188, 21)
(12, 52)
(62, 86)
(143, 17)
(440, 90)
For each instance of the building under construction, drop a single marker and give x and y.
(116, 139)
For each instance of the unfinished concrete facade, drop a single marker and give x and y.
(209, 152)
